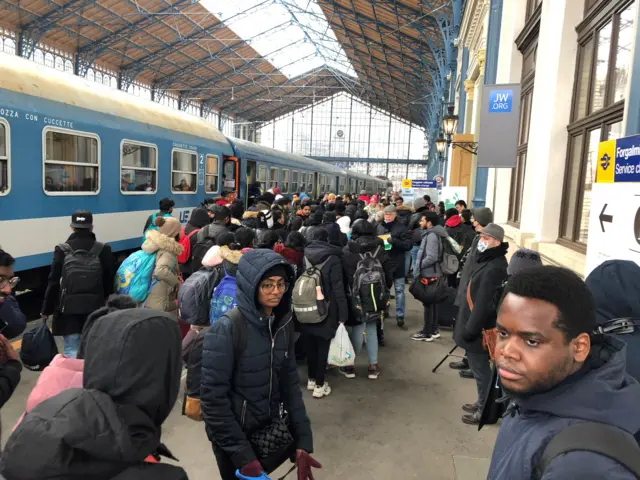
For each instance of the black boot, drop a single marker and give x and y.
(466, 373)
(461, 365)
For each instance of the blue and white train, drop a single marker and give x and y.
(67, 144)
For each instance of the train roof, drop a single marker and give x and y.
(24, 76)
(254, 151)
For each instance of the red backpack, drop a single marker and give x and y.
(185, 241)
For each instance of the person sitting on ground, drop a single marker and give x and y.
(559, 374)
(163, 294)
(479, 313)
(428, 262)
(364, 242)
(293, 251)
(110, 426)
(236, 393)
(318, 335)
(166, 209)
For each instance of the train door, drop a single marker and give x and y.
(230, 178)
(316, 184)
(253, 190)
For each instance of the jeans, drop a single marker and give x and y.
(430, 319)
(317, 354)
(398, 283)
(414, 259)
(369, 332)
(71, 345)
(479, 365)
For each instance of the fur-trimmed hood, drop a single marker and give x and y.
(232, 256)
(405, 207)
(235, 221)
(157, 241)
(249, 214)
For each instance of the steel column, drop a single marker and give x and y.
(632, 117)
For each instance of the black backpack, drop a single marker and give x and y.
(605, 440)
(38, 347)
(369, 286)
(200, 249)
(81, 289)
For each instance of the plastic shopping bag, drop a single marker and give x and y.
(341, 352)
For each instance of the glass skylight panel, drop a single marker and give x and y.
(293, 35)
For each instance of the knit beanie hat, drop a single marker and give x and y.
(483, 215)
(278, 270)
(495, 231)
(522, 260)
(168, 226)
(419, 203)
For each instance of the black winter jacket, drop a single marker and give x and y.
(333, 288)
(65, 324)
(106, 428)
(241, 395)
(12, 316)
(212, 232)
(404, 215)
(400, 244)
(336, 237)
(484, 283)
(352, 252)
(199, 219)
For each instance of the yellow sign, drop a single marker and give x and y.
(606, 162)
(406, 183)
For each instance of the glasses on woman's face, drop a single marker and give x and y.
(12, 282)
(270, 287)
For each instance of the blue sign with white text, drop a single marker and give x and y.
(627, 159)
(500, 101)
(424, 183)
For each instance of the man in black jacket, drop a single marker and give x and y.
(400, 240)
(110, 426)
(208, 236)
(66, 323)
(240, 395)
(479, 312)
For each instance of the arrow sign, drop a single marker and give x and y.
(605, 218)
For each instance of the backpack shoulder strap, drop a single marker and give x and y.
(193, 232)
(239, 331)
(66, 248)
(96, 249)
(375, 254)
(307, 263)
(593, 437)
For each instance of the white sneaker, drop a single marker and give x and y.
(311, 385)
(322, 391)
(435, 336)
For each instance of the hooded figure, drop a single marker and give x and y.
(240, 395)
(107, 428)
(163, 294)
(616, 294)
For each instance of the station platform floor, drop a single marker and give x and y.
(406, 424)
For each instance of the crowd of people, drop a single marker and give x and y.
(240, 296)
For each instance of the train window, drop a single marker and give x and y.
(294, 181)
(211, 182)
(273, 178)
(303, 182)
(285, 181)
(5, 154)
(184, 171)
(138, 168)
(71, 162)
(262, 177)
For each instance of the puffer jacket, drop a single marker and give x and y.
(250, 219)
(333, 288)
(404, 214)
(430, 252)
(164, 294)
(599, 392)
(239, 395)
(108, 428)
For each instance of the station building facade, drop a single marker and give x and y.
(573, 59)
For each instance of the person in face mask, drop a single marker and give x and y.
(479, 312)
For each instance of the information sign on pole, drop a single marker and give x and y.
(424, 183)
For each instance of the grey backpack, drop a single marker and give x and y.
(194, 296)
(369, 288)
(305, 304)
(450, 251)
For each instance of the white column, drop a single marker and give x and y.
(553, 90)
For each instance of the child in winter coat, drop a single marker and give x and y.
(166, 275)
